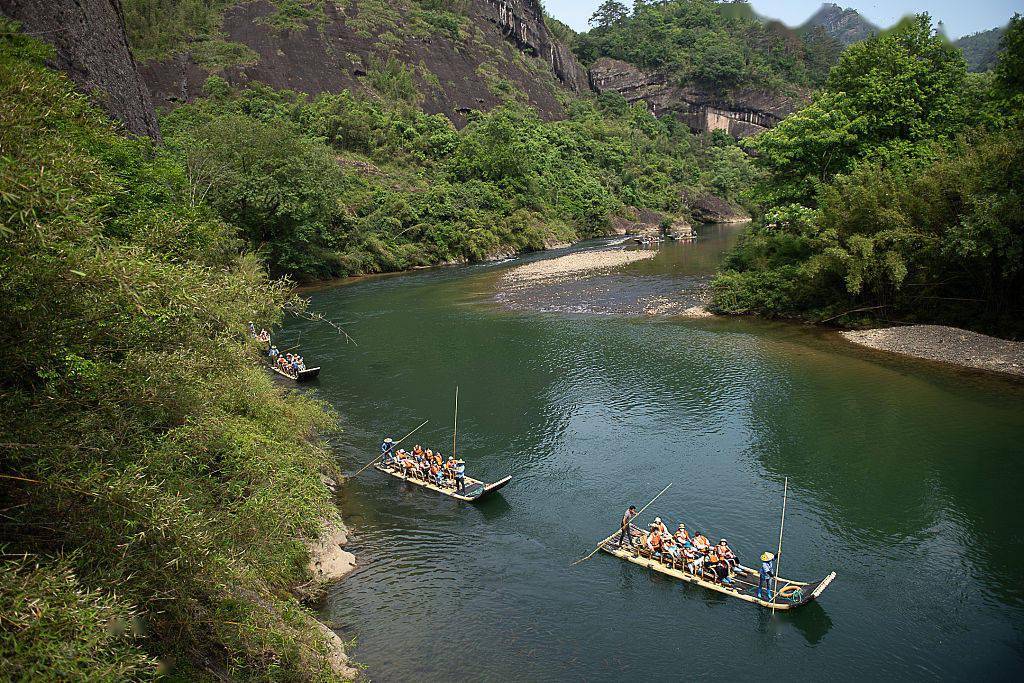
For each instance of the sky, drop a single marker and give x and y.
(959, 17)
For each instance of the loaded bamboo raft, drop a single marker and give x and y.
(474, 491)
(790, 595)
(307, 375)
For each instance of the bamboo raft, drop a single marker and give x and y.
(790, 595)
(307, 375)
(475, 489)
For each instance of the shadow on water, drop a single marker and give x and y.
(493, 507)
(811, 620)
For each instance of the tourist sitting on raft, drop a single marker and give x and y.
(694, 555)
(290, 363)
(262, 335)
(425, 465)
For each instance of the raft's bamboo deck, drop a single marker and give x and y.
(306, 375)
(475, 489)
(791, 594)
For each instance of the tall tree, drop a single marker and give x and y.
(608, 14)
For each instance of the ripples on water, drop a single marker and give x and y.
(904, 478)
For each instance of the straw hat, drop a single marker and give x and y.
(767, 557)
(388, 440)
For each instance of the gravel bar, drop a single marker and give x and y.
(946, 344)
(571, 265)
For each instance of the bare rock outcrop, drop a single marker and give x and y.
(523, 22)
(709, 208)
(329, 561)
(845, 25)
(479, 69)
(741, 113)
(91, 46)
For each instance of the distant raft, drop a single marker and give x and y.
(474, 491)
(790, 595)
(307, 375)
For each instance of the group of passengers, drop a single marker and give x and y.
(289, 363)
(262, 335)
(292, 363)
(695, 554)
(425, 465)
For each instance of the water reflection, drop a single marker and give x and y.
(902, 480)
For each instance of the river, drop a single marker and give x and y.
(904, 477)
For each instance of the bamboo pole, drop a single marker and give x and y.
(622, 526)
(455, 431)
(778, 555)
(383, 453)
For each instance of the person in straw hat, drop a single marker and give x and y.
(460, 476)
(766, 575)
(385, 448)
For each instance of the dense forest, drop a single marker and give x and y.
(159, 482)
(343, 184)
(896, 195)
(721, 45)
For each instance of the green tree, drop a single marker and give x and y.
(608, 14)
(1010, 67)
(892, 97)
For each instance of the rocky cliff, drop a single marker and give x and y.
(741, 113)
(845, 25)
(500, 51)
(92, 48)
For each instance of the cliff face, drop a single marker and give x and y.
(741, 114)
(92, 48)
(845, 25)
(523, 22)
(502, 52)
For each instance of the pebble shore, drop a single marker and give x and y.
(946, 344)
(571, 265)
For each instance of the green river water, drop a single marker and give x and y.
(905, 478)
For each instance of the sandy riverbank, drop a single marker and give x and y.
(947, 345)
(571, 266)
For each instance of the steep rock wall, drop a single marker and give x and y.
(336, 53)
(92, 48)
(523, 22)
(741, 113)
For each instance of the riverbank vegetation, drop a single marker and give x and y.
(344, 184)
(895, 195)
(718, 45)
(155, 484)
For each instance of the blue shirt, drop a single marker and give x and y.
(767, 569)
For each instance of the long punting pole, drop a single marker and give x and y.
(778, 555)
(621, 527)
(455, 432)
(390, 449)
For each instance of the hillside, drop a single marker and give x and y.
(157, 484)
(981, 50)
(713, 66)
(461, 56)
(844, 25)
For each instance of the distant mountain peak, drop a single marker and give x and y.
(842, 23)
